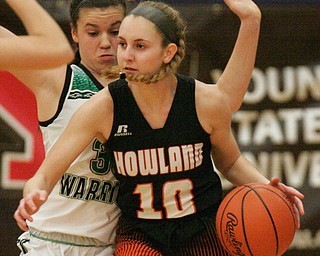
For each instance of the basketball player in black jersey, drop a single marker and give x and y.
(163, 129)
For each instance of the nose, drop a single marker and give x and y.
(105, 41)
(128, 54)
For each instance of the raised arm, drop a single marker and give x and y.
(45, 46)
(236, 76)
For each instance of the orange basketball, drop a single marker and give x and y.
(256, 220)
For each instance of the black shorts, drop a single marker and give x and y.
(179, 237)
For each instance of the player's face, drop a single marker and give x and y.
(140, 48)
(96, 34)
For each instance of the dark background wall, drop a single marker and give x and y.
(290, 36)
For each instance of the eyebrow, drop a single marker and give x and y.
(112, 25)
(116, 23)
(136, 40)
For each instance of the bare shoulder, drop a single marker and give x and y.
(209, 96)
(97, 113)
(101, 102)
(212, 107)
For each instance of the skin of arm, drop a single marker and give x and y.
(93, 119)
(5, 32)
(45, 46)
(46, 84)
(237, 73)
(215, 117)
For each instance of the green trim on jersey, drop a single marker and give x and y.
(82, 86)
(50, 238)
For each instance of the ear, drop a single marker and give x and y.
(74, 33)
(169, 52)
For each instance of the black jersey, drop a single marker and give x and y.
(164, 173)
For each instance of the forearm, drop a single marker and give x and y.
(237, 73)
(46, 44)
(242, 172)
(55, 164)
(75, 138)
(36, 20)
(37, 182)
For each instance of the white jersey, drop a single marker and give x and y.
(82, 203)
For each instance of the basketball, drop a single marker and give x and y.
(256, 220)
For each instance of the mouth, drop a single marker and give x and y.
(106, 57)
(129, 70)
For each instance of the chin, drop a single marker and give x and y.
(109, 63)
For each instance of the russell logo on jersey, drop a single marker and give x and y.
(123, 131)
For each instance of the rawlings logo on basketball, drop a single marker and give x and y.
(230, 234)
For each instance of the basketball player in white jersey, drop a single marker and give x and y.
(81, 215)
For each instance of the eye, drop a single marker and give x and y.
(93, 33)
(114, 32)
(122, 44)
(140, 46)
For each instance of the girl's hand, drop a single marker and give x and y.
(244, 8)
(29, 205)
(294, 196)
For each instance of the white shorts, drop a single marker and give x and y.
(37, 243)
